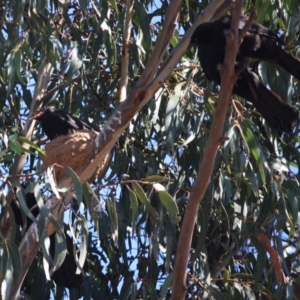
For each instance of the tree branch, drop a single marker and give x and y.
(222, 10)
(44, 73)
(228, 78)
(126, 50)
(29, 245)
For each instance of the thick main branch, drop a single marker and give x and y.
(228, 78)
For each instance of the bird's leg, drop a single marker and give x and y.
(240, 66)
(251, 84)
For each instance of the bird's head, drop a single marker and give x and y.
(194, 38)
(41, 113)
(200, 35)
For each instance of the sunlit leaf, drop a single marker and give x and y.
(76, 182)
(33, 145)
(154, 178)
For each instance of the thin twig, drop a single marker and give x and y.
(222, 10)
(15, 113)
(126, 50)
(44, 74)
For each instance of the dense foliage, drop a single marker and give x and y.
(132, 215)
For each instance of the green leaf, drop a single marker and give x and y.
(44, 211)
(84, 4)
(203, 222)
(11, 70)
(23, 204)
(60, 249)
(255, 150)
(261, 259)
(18, 66)
(15, 146)
(113, 216)
(76, 63)
(50, 176)
(293, 209)
(114, 4)
(144, 200)
(144, 23)
(154, 178)
(174, 40)
(171, 121)
(83, 245)
(76, 182)
(23, 139)
(111, 49)
(170, 205)
(4, 259)
(16, 258)
(151, 290)
(93, 204)
(134, 209)
(57, 45)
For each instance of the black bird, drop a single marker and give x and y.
(66, 275)
(30, 202)
(260, 43)
(58, 122)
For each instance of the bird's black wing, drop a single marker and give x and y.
(66, 275)
(278, 114)
(209, 37)
(58, 122)
(70, 121)
(213, 33)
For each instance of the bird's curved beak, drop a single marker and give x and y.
(36, 114)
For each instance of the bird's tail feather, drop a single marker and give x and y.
(279, 115)
(289, 63)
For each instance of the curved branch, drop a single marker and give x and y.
(222, 10)
(228, 78)
(44, 73)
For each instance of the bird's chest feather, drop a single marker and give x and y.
(210, 57)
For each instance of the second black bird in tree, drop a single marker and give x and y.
(66, 275)
(58, 122)
(260, 43)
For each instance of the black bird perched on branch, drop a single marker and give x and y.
(58, 122)
(65, 275)
(260, 43)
